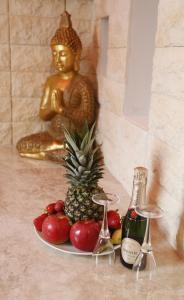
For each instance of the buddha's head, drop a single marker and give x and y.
(66, 46)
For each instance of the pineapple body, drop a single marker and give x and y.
(79, 204)
(84, 168)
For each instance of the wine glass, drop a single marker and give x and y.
(104, 243)
(145, 259)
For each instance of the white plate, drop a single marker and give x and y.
(68, 248)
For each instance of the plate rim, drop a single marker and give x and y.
(76, 252)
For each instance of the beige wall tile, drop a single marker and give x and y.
(170, 23)
(32, 30)
(113, 158)
(25, 109)
(3, 6)
(31, 59)
(49, 8)
(21, 7)
(118, 13)
(85, 9)
(4, 29)
(5, 133)
(116, 64)
(102, 8)
(168, 71)
(121, 132)
(111, 95)
(119, 23)
(87, 67)
(122, 148)
(22, 129)
(166, 166)
(43, 29)
(81, 25)
(118, 31)
(5, 109)
(91, 54)
(166, 120)
(21, 29)
(86, 38)
(106, 119)
(4, 58)
(172, 214)
(120, 7)
(4, 84)
(166, 140)
(96, 33)
(28, 84)
(134, 142)
(83, 28)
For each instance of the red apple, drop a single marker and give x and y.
(100, 223)
(113, 218)
(39, 221)
(56, 230)
(84, 234)
(50, 208)
(59, 206)
(60, 214)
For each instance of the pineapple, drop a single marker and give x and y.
(84, 169)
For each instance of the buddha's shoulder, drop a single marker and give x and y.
(78, 81)
(52, 79)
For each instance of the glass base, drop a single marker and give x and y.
(103, 244)
(108, 259)
(145, 261)
(150, 211)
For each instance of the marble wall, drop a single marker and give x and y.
(124, 144)
(26, 28)
(5, 85)
(166, 138)
(160, 146)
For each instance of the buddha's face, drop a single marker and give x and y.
(63, 58)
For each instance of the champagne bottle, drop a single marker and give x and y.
(134, 226)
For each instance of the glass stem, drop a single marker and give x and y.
(146, 246)
(104, 229)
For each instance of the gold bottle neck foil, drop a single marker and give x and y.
(139, 186)
(140, 175)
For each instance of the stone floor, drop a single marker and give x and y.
(31, 270)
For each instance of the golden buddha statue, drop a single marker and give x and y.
(67, 98)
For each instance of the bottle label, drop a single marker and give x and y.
(129, 250)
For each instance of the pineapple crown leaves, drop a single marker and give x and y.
(83, 161)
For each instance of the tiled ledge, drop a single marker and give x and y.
(31, 271)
